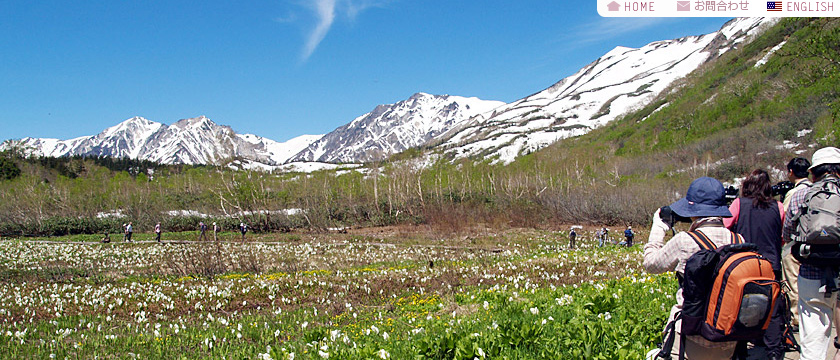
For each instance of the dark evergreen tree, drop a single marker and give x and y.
(8, 169)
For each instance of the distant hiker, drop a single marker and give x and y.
(600, 236)
(215, 232)
(243, 228)
(125, 231)
(129, 230)
(628, 234)
(106, 239)
(157, 232)
(572, 236)
(705, 205)
(203, 228)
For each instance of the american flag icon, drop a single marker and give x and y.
(774, 6)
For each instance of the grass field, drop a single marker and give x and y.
(519, 294)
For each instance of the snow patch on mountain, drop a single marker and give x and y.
(622, 80)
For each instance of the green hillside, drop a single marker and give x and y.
(733, 108)
(728, 117)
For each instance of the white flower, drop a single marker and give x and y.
(486, 305)
(565, 300)
(324, 355)
(481, 353)
(383, 354)
(385, 336)
(535, 311)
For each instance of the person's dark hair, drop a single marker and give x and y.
(757, 187)
(799, 166)
(820, 170)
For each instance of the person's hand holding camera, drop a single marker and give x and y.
(659, 223)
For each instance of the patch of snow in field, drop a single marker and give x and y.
(186, 213)
(654, 111)
(766, 57)
(787, 144)
(288, 212)
(105, 215)
(308, 167)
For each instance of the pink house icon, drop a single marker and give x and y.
(613, 6)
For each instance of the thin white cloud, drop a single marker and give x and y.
(290, 18)
(356, 7)
(608, 28)
(325, 12)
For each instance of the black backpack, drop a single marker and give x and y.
(729, 293)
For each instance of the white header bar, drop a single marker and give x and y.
(717, 8)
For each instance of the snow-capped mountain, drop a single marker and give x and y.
(189, 141)
(126, 139)
(281, 152)
(620, 81)
(624, 79)
(390, 129)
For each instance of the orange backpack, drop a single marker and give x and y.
(729, 292)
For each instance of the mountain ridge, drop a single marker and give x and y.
(621, 80)
(196, 140)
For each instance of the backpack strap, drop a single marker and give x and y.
(705, 243)
(735, 238)
(702, 240)
(670, 337)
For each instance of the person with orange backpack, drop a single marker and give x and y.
(758, 218)
(709, 318)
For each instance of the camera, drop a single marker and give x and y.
(730, 194)
(670, 218)
(782, 188)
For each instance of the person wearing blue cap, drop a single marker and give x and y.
(705, 205)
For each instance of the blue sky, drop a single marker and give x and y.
(279, 68)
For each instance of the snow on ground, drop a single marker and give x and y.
(766, 57)
(186, 213)
(622, 80)
(308, 167)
